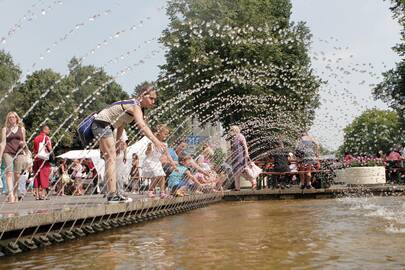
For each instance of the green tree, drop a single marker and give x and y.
(219, 156)
(233, 53)
(372, 131)
(325, 151)
(9, 76)
(392, 89)
(93, 89)
(38, 107)
(45, 97)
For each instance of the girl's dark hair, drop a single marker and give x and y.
(145, 89)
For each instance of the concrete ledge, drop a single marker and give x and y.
(18, 219)
(296, 193)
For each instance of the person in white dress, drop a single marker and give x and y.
(152, 168)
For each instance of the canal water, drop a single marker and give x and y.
(349, 233)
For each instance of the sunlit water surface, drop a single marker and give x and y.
(350, 233)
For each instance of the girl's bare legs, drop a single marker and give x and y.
(302, 179)
(61, 188)
(10, 187)
(135, 183)
(15, 188)
(162, 185)
(252, 181)
(237, 181)
(153, 183)
(308, 177)
(107, 148)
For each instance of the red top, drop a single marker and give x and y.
(92, 169)
(38, 139)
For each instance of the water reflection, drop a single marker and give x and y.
(327, 234)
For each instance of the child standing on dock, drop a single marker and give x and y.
(152, 166)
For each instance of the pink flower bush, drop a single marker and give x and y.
(364, 162)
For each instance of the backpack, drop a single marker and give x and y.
(84, 131)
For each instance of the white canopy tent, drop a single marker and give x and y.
(123, 170)
(93, 154)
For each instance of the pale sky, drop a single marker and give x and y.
(352, 42)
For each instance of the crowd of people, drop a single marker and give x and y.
(159, 171)
(173, 172)
(305, 167)
(288, 167)
(162, 171)
(18, 162)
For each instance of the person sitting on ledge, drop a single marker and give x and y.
(204, 161)
(279, 156)
(181, 180)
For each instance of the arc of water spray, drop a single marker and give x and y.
(13, 30)
(52, 151)
(81, 59)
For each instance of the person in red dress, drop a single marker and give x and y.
(41, 167)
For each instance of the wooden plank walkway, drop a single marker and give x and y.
(32, 213)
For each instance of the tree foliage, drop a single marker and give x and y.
(237, 61)
(92, 89)
(372, 131)
(392, 89)
(139, 86)
(47, 97)
(9, 76)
